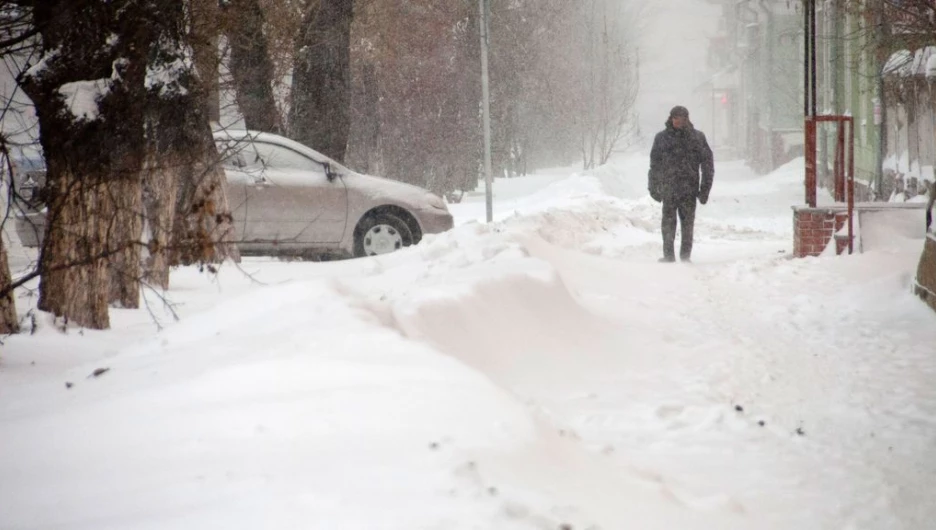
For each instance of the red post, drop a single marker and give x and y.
(851, 182)
(810, 161)
(840, 161)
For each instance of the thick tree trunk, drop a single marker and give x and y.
(364, 142)
(184, 182)
(251, 66)
(125, 236)
(204, 37)
(8, 321)
(321, 90)
(88, 98)
(203, 230)
(124, 110)
(160, 189)
(74, 282)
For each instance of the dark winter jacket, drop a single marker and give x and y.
(675, 161)
(929, 205)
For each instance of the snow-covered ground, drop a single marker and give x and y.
(537, 372)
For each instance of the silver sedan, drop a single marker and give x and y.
(287, 199)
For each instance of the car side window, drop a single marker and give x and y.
(278, 159)
(261, 161)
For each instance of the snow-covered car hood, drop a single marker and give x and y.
(380, 187)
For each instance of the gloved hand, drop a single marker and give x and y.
(655, 195)
(703, 198)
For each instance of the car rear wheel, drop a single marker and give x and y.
(381, 234)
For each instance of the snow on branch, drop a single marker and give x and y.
(37, 70)
(167, 76)
(82, 97)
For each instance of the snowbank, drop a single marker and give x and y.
(305, 408)
(536, 372)
(311, 397)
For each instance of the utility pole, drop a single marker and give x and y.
(809, 98)
(486, 110)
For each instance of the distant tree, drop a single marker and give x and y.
(251, 66)
(608, 83)
(418, 93)
(890, 25)
(914, 19)
(564, 83)
(529, 103)
(319, 114)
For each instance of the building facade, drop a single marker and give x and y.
(759, 66)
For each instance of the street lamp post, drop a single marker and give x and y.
(809, 98)
(486, 111)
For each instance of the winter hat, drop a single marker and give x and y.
(679, 110)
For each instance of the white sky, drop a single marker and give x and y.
(673, 61)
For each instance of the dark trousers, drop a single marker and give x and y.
(685, 208)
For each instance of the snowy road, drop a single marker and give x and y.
(543, 370)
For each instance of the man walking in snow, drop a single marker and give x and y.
(929, 205)
(679, 153)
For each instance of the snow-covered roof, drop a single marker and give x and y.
(921, 59)
(898, 63)
(905, 63)
(931, 66)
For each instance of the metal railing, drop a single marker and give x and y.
(843, 165)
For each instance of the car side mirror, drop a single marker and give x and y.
(330, 173)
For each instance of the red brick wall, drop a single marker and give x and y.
(813, 228)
